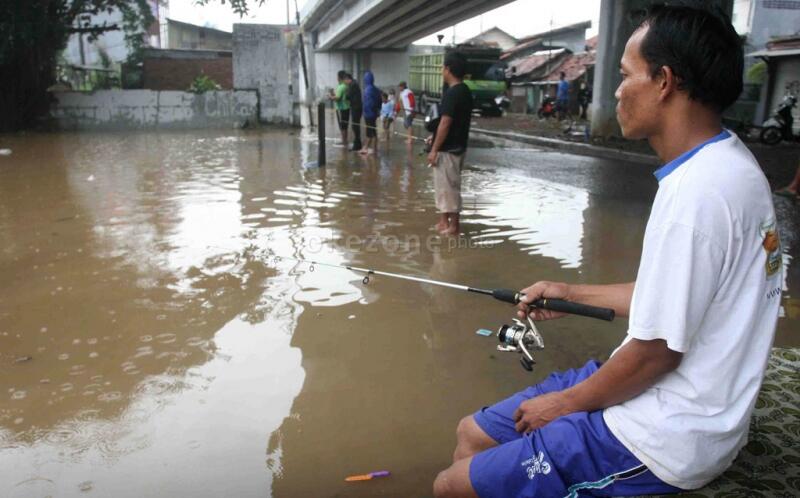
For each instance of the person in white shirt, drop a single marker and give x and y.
(409, 106)
(669, 410)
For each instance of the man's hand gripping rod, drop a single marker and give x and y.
(521, 337)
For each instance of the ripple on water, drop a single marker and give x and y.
(109, 397)
(166, 338)
(33, 486)
(143, 351)
(159, 386)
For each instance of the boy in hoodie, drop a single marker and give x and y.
(372, 106)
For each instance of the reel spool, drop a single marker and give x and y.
(520, 338)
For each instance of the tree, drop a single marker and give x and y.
(240, 7)
(34, 32)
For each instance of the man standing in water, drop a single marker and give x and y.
(356, 107)
(408, 104)
(339, 97)
(450, 144)
(669, 411)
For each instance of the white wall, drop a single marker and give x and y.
(136, 109)
(388, 67)
(770, 20)
(787, 73)
(262, 57)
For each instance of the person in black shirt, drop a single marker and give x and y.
(584, 98)
(450, 144)
(356, 108)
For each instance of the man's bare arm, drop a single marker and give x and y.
(441, 132)
(635, 367)
(614, 296)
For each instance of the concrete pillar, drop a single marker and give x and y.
(612, 34)
(308, 96)
(266, 59)
(617, 22)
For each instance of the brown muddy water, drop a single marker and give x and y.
(149, 346)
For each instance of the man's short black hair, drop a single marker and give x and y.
(456, 63)
(702, 49)
(403, 84)
(563, 75)
(341, 74)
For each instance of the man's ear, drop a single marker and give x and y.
(669, 82)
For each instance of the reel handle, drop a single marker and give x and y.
(512, 297)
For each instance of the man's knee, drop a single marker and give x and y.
(469, 432)
(471, 439)
(462, 429)
(454, 482)
(440, 486)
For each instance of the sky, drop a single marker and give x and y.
(519, 18)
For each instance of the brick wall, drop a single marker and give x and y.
(175, 73)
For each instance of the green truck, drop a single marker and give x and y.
(485, 77)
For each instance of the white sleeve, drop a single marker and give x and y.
(679, 274)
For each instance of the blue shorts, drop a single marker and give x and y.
(572, 456)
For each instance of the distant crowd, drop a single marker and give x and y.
(372, 104)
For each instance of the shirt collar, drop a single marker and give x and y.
(671, 166)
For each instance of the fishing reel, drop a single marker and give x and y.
(520, 338)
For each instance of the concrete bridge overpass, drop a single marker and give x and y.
(384, 24)
(356, 35)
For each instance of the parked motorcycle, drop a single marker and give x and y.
(547, 109)
(779, 126)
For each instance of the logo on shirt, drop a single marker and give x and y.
(536, 465)
(772, 245)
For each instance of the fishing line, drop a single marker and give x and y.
(506, 295)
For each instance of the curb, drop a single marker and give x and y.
(574, 147)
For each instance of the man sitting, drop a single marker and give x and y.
(669, 410)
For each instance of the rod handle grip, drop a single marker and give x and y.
(512, 297)
(573, 308)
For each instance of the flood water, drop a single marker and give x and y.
(152, 345)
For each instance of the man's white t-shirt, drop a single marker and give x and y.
(407, 97)
(709, 284)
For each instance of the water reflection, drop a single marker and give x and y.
(151, 344)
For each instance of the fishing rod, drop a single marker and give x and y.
(505, 295)
(521, 337)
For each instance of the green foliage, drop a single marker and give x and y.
(203, 84)
(240, 7)
(757, 73)
(34, 32)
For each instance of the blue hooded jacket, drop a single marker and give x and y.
(372, 97)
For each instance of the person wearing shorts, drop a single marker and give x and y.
(372, 109)
(670, 409)
(552, 461)
(449, 144)
(342, 105)
(387, 112)
(408, 104)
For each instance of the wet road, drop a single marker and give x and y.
(151, 345)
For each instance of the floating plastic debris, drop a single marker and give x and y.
(367, 477)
